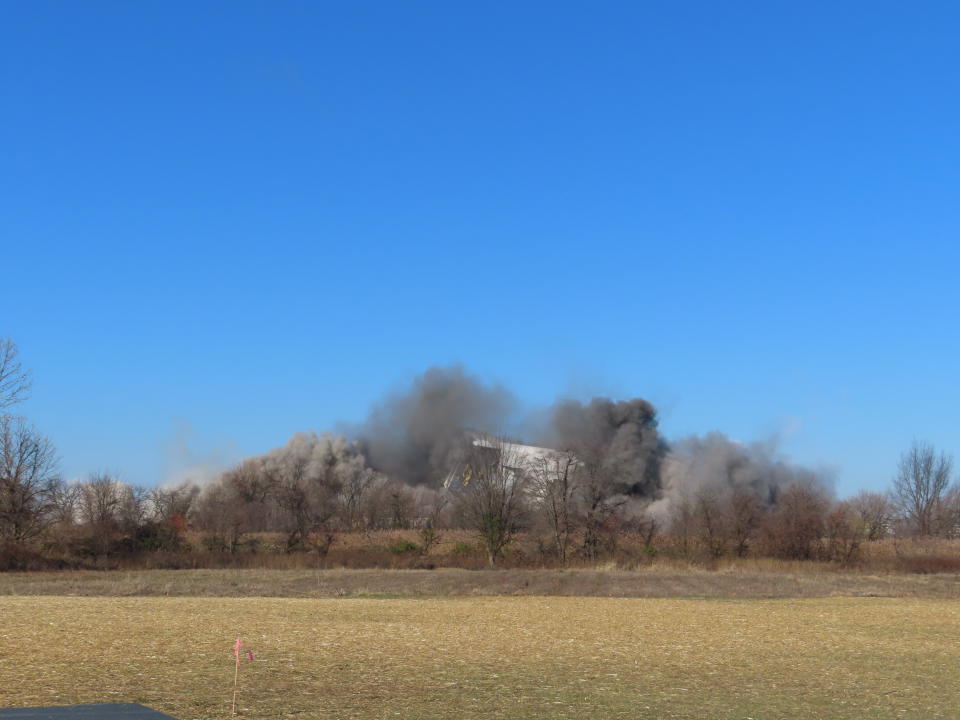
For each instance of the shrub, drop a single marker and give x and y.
(403, 546)
(462, 549)
(428, 538)
(214, 543)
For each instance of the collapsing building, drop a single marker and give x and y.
(519, 461)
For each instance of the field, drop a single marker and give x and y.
(488, 657)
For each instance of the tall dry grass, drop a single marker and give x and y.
(403, 550)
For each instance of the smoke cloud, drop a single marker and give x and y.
(716, 465)
(315, 455)
(618, 439)
(415, 435)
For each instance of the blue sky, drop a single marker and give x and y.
(225, 222)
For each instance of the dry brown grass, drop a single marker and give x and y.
(372, 549)
(519, 658)
(754, 579)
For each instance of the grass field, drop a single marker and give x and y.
(492, 657)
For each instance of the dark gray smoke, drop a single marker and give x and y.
(412, 436)
(618, 439)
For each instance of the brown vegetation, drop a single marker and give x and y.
(733, 579)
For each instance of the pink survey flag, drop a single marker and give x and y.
(238, 646)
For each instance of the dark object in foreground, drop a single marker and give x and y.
(107, 711)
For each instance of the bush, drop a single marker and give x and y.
(462, 549)
(214, 543)
(403, 546)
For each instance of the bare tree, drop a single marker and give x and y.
(429, 506)
(356, 481)
(796, 525)
(134, 507)
(553, 481)
(99, 502)
(309, 501)
(236, 503)
(682, 523)
(28, 481)
(14, 380)
(746, 516)
(875, 513)
(645, 527)
(711, 522)
(845, 530)
(922, 478)
(494, 482)
(599, 504)
(170, 503)
(224, 515)
(948, 516)
(65, 499)
(310, 493)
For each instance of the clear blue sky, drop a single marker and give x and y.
(225, 222)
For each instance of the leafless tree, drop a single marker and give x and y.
(845, 531)
(309, 498)
(599, 503)
(65, 500)
(28, 481)
(401, 505)
(99, 501)
(134, 508)
(240, 501)
(875, 512)
(553, 482)
(356, 482)
(430, 506)
(14, 380)
(746, 515)
(796, 525)
(683, 523)
(376, 509)
(494, 481)
(224, 515)
(947, 519)
(174, 502)
(711, 522)
(923, 476)
(642, 525)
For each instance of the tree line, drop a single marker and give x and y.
(566, 505)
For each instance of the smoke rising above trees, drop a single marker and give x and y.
(618, 440)
(386, 470)
(585, 480)
(716, 465)
(414, 436)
